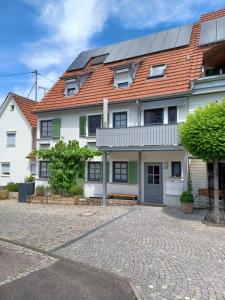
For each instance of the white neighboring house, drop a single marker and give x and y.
(17, 139)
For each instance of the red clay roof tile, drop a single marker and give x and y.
(26, 106)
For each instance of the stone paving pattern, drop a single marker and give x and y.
(48, 226)
(17, 262)
(165, 254)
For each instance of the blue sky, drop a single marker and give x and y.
(47, 34)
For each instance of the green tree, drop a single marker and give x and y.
(67, 163)
(203, 135)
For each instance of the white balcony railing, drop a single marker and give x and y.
(140, 136)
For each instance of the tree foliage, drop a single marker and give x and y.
(203, 133)
(67, 162)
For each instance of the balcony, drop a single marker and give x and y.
(154, 137)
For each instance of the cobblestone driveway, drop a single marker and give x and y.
(165, 254)
(48, 226)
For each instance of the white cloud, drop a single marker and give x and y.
(69, 27)
(151, 13)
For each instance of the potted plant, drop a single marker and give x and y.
(187, 202)
(4, 194)
(30, 181)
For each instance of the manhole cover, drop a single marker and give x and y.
(88, 214)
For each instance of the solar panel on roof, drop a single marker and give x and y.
(212, 31)
(160, 41)
(99, 59)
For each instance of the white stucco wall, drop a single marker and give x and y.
(16, 156)
(70, 130)
(202, 100)
(95, 189)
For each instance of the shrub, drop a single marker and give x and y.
(187, 197)
(40, 190)
(29, 179)
(76, 190)
(12, 187)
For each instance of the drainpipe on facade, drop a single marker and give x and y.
(139, 155)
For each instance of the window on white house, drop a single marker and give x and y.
(44, 169)
(71, 87)
(120, 119)
(94, 171)
(157, 71)
(33, 168)
(46, 129)
(12, 107)
(122, 78)
(5, 169)
(94, 122)
(120, 171)
(172, 114)
(11, 139)
(176, 169)
(44, 146)
(154, 116)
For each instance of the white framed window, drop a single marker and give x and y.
(44, 146)
(122, 78)
(11, 139)
(71, 87)
(5, 169)
(157, 71)
(33, 168)
(12, 107)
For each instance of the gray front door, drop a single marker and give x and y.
(154, 182)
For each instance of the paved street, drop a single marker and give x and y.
(29, 275)
(162, 252)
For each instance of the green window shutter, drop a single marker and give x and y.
(56, 128)
(132, 172)
(82, 126)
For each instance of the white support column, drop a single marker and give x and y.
(105, 113)
(104, 179)
(139, 176)
(185, 170)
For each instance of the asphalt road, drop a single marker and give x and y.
(67, 280)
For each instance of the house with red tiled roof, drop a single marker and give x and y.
(17, 139)
(127, 100)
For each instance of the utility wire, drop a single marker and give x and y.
(31, 90)
(15, 74)
(46, 78)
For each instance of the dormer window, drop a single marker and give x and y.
(122, 78)
(157, 71)
(71, 87)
